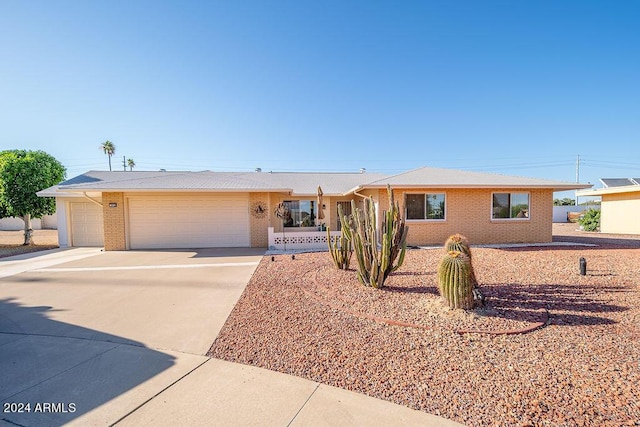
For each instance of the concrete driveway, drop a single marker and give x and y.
(96, 338)
(90, 340)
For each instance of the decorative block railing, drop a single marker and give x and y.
(296, 240)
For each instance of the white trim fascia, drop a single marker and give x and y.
(609, 190)
(482, 186)
(59, 194)
(177, 190)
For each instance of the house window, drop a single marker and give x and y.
(429, 206)
(510, 206)
(302, 213)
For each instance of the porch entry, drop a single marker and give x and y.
(346, 210)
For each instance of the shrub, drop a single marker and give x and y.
(590, 221)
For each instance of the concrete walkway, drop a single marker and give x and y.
(103, 338)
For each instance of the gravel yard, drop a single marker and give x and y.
(580, 365)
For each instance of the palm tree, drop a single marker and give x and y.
(131, 164)
(109, 149)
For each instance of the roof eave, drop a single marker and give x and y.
(174, 190)
(479, 186)
(609, 190)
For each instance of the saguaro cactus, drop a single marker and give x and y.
(455, 280)
(375, 264)
(341, 249)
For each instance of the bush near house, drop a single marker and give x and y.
(590, 221)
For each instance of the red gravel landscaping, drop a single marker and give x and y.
(578, 366)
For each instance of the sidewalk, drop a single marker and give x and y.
(20, 263)
(229, 394)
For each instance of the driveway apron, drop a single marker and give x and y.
(91, 340)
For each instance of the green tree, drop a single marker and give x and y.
(22, 174)
(131, 164)
(564, 202)
(109, 149)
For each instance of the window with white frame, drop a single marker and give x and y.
(425, 206)
(510, 206)
(301, 213)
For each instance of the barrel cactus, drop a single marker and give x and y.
(458, 242)
(455, 280)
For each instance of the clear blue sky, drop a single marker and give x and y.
(512, 87)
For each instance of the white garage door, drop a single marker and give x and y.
(189, 222)
(86, 224)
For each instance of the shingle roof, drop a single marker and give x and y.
(298, 183)
(331, 183)
(453, 178)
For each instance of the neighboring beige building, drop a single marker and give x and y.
(620, 205)
(149, 210)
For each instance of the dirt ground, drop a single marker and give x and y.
(570, 232)
(40, 237)
(11, 242)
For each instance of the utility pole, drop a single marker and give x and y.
(124, 163)
(577, 175)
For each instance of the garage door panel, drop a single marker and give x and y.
(183, 222)
(86, 224)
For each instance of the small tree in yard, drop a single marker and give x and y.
(22, 174)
